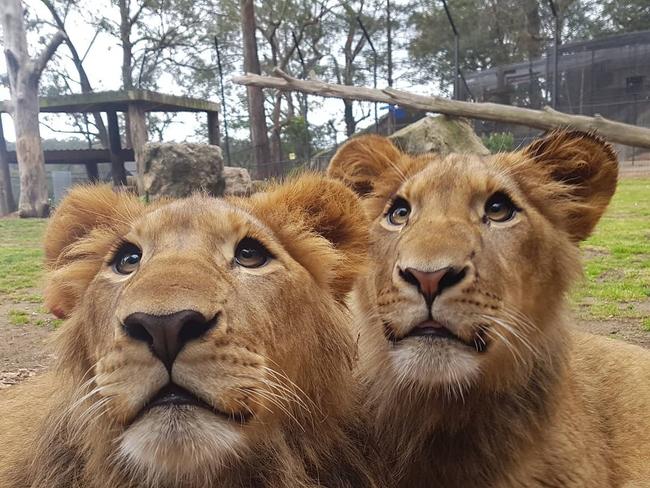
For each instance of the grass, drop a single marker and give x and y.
(18, 317)
(21, 258)
(617, 260)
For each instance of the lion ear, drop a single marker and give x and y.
(321, 224)
(581, 169)
(363, 161)
(77, 238)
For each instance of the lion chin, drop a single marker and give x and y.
(177, 442)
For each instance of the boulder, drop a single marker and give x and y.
(178, 170)
(238, 181)
(440, 134)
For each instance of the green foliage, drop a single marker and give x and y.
(18, 317)
(499, 142)
(492, 33)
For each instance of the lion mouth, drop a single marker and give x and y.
(432, 329)
(172, 395)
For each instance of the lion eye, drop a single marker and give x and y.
(251, 253)
(399, 212)
(127, 259)
(499, 208)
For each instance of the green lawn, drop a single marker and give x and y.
(617, 264)
(21, 258)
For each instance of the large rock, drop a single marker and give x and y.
(439, 134)
(238, 181)
(178, 170)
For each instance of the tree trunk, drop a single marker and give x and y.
(348, 115)
(547, 118)
(276, 137)
(127, 61)
(7, 202)
(257, 116)
(138, 130)
(24, 75)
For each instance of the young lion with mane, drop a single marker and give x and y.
(207, 344)
(473, 371)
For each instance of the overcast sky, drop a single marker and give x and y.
(103, 63)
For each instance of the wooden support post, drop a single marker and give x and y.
(92, 172)
(115, 146)
(213, 128)
(138, 130)
(7, 202)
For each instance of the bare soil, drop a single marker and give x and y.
(24, 349)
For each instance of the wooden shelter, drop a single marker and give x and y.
(135, 103)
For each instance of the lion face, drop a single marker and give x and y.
(471, 255)
(201, 325)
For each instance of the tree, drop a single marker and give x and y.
(293, 33)
(257, 122)
(349, 71)
(493, 33)
(81, 120)
(24, 74)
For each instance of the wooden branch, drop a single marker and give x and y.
(47, 53)
(12, 63)
(547, 118)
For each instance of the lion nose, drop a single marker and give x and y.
(167, 334)
(432, 283)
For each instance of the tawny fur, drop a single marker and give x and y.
(544, 405)
(282, 351)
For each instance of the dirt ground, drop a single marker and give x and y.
(24, 349)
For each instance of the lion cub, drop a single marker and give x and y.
(473, 371)
(207, 343)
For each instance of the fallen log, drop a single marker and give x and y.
(547, 118)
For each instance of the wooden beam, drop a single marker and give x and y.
(547, 118)
(78, 156)
(213, 128)
(138, 130)
(7, 202)
(119, 101)
(114, 148)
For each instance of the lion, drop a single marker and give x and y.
(474, 374)
(206, 343)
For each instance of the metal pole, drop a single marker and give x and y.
(296, 43)
(457, 69)
(556, 41)
(456, 50)
(374, 69)
(389, 45)
(223, 100)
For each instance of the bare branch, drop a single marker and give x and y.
(48, 52)
(12, 63)
(540, 119)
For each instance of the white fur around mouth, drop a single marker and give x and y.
(178, 441)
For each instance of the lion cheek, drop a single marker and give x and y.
(128, 379)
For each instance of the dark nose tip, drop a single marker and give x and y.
(432, 283)
(167, 334)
